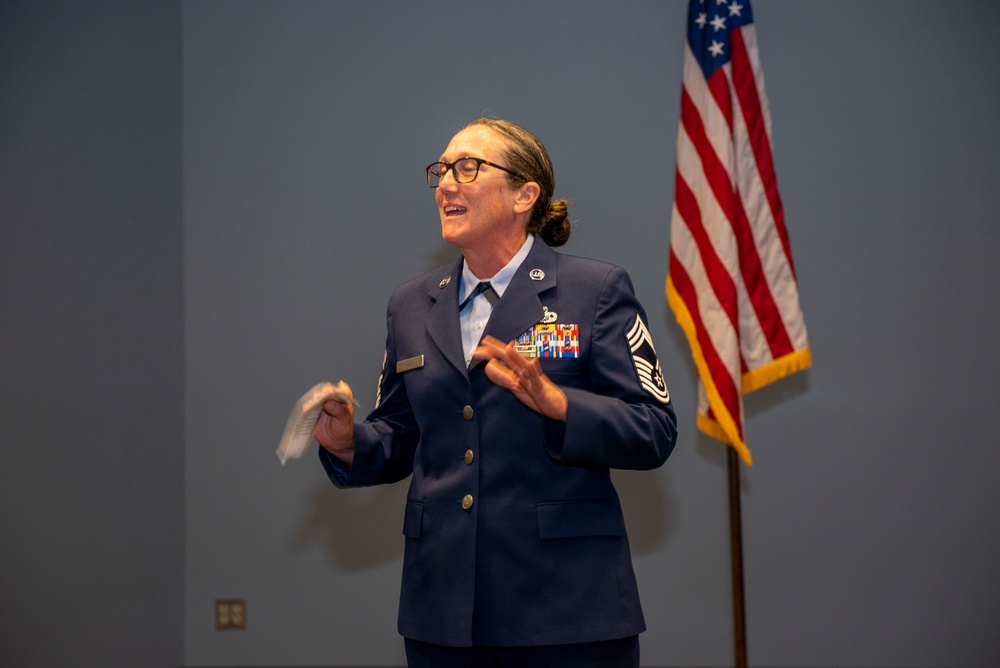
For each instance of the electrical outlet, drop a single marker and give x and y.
(231, 614)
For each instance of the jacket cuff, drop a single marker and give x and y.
(338, 471)
(555, 437)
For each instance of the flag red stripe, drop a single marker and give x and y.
(759, 292)
(720, 280)
(749, 261)
(754, 278)
(715, 172)
(727, 389)
(718, 86)
(749, 99)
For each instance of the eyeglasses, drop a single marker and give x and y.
(465, 170)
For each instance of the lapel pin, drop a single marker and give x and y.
(537, 274)
(444, 282)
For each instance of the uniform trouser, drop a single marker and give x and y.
(620, 653)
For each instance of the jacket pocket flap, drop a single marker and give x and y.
(568, 519)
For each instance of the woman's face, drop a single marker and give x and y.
(479, 214)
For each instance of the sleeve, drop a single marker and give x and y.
(625, 419)
(384, 444)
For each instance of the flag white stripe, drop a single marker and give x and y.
(717, 325)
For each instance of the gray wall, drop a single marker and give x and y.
(91, 338)
(870, 515)
(870, 520)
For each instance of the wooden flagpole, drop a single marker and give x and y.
(736, 559)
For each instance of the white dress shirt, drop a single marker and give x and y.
(476, 314)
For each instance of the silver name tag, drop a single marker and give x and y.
(402, 366)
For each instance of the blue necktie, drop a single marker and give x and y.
(484, 288)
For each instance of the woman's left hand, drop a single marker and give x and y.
(523, 377)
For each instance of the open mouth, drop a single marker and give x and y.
(453, 210)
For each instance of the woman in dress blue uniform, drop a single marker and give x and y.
(513, 381)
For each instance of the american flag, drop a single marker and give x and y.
(731, 281)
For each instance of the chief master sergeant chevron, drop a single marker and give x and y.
(513, 380)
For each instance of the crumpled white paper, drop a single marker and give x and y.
(305, 413)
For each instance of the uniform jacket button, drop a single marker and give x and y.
(467, 502)
(469, 456)
(467, 412)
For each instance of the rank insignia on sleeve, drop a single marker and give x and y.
(378, 390)
(647, 366)
(549, 340)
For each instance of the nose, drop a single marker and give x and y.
(447, 181)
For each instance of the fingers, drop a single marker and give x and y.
(338, 408)
(334, 429)
(523, 377)
(340, 401)
(506, 354)
(489, 348)
(504, 376)
(503, 365)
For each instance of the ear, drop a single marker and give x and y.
(527, 195)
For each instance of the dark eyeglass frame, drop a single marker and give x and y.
(445, 167)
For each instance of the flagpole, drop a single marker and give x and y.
(736, 559)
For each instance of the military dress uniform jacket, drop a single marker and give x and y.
(514, 531)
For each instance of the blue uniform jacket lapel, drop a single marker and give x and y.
(521, 305)
(442, 319)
